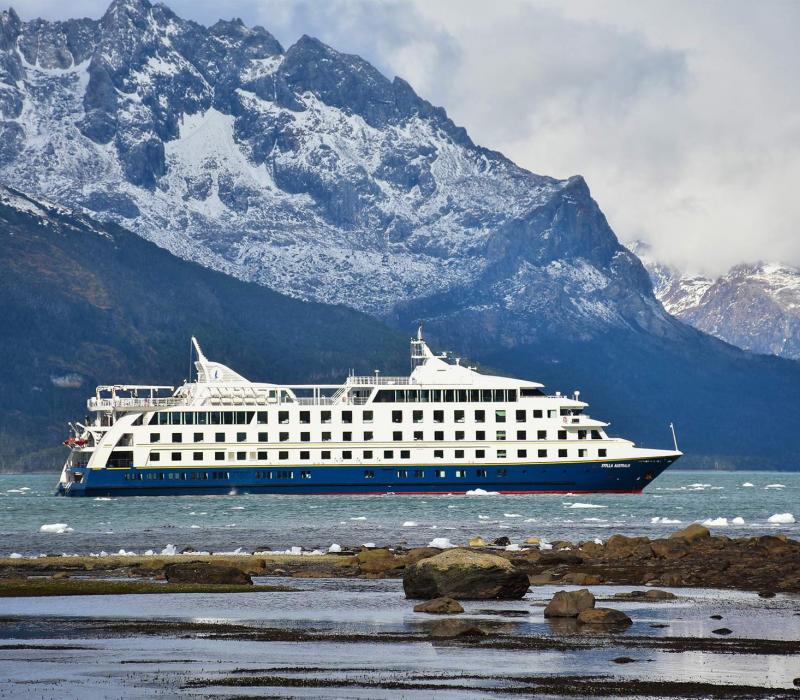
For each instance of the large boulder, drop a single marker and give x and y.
(377, 561)
(692, 533)
(465, 575)
(673, 548)
(569, 603)
(604, 616)
(440, 606)
(202, 572)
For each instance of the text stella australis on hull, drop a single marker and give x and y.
(445, 428)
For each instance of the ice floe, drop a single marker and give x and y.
(369, 545)
(512, 515)
(747, 485)
(481, 492)
(775, 486)
(409, 523)
(441, 543)
(360, 517)
(512, 548)
(169, 551)
(716, 522)
(664, 521)
(335, 548)
(781, 519)
(484, 517)
(56, 528)
(584, 505)
(738, 520)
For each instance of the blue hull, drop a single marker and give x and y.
(629, 476)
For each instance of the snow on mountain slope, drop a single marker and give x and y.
(755, 307)
(305, 170)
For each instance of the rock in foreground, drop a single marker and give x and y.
(440, 606)
(465, 575)
(200, 572)
(569, 603)
(604, 616)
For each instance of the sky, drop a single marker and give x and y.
(683, 116)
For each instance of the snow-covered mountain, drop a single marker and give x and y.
(755, 307)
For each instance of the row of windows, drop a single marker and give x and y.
(397, 436)
(446, 395)
(175, 476)
(365, 454)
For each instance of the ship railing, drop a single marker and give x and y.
(124, 403)
(378, 381)
(332, 400)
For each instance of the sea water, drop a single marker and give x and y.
(731, 503)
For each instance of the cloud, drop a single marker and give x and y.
(682, 116)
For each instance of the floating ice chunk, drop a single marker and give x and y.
(483, 517)
(24, 488)
(441, 543)
(169, 551)
(15, 555)
(149, 553)
(585, 505)
(531, 520)
(545, 545)
(775, 486)
(409, 523)
(368, 545)
(597, 540)
(360, 517)
(15, 491)
(512, 515)
(481, 492)
(56, 528)
(242, 507)
(194, 527)
(716, 522)
(123, 553)
(512, 548)
(747, 485)
(664, 521)
(335, 548)
(595, 520)
(738, 521)
(781, 519)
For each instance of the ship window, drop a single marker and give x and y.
(325, 454)
(563, 411)
(244, 417)
(500, 416)
(441, 473)
(155, 456)
(305, 437)
(326, 437)
(459, 434)
(155, 437)
(175, 417)
(283, 437)
(480, 434)
(537, 413)
(139, 420)
(177, 437)
(480, 416)
(325, 417)
(500, 435)
(486, 394)
(438, 416)
(163, 418)
(241, 437)
(449, 395)
(198, 437)
(582, 453)
(522, 435)
(541, 435)
(219, 456)
(367, 454)
(601, 452)
(402, 474)
(367, 416)
(501, 454)
(347, 416)
(388, 454)
(369, 474)
(304, 454)
(188, 418)
(347, 436)
(227, 417)
(405, 454)
(417, 416)
(397, 416)
(562, 453)
(397, 435)
(197, 456)
(436, 395)
(462, 395)
(201, 418)
(419, 473)
(305, 475)
(424, 396)
(347, 454)
(562, 434)
(439, 454)
(219, 437)
(438, 435)
(481, 473)
(502, 472)
(417, 435)
(262, 417)
(283, 417)
(551, 413)
(241, 456)
(285, 475)
(263, 437)
(176, 456)
(283, 454)
(458, 416)
(120, 458)
(520, 416)
(459, 454)
(262, 455)
(596, 435)
(368, 435)
(581, 435)
(480, 454)
(522, 453)
(542, 453)
(461, 473)
(305, 417)
(530, 392)
(216, 418)
(384, 396)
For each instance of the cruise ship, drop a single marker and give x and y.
(445, 428)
